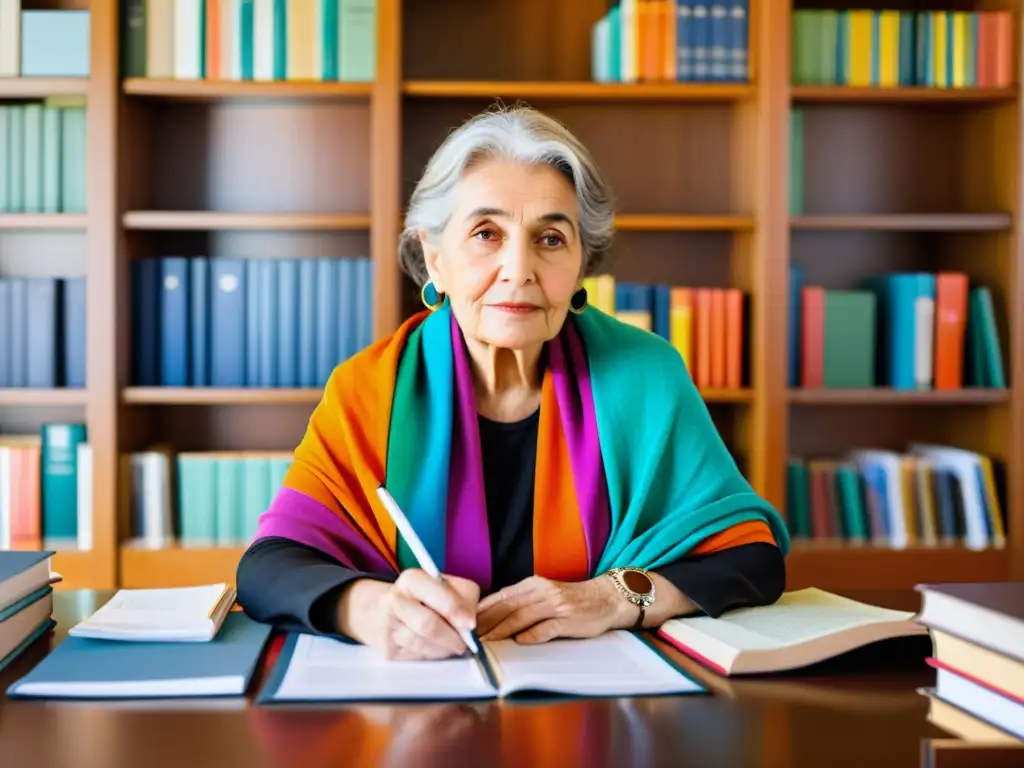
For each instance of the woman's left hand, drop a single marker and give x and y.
(538, 609)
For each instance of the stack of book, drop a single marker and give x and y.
(26, 601)
(978, 635)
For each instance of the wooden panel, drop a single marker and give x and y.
(838, 567)
(568, 91)
(658, 159)
(259, 157)
(895, 159)
(498, 39)
(677, 258)
(177, 566)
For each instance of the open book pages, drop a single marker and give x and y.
(613, 664)
(184, 614)
(801, 628)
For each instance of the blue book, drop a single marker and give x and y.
(42, 302)
(227, 323)
(74, 332)
(266, 302)
(661, 308)
(364, 279)
(287, 344)
(174, 316)
(307, 323)
(252, 324)
(23, 622)
(796, 286)
(19, 351)
(738, 43)
(22, 572)
(5, 333)
(349, 298)
(145, 322)
(84, 668)
(328, 309)
(199, 321)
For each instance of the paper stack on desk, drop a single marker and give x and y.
(26, 600)
(978, 634)
(182, 614)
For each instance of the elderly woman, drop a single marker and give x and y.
(558, 464)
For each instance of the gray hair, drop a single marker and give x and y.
(520, 134)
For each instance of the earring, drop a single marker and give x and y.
(578, 302)
(436, 301)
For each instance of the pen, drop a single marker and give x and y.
(426, 562)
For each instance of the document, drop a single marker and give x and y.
(314, 668)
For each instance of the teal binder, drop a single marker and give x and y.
(83, 668)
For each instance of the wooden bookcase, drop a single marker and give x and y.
(701, 173)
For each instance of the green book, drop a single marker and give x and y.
(51, 159)
(255, 493)
(796, 162)
(798, 499)
(32, 178)
(852, 512)
(229, 494)
(59, 481)
(849, 339)
(357, 40)
(5, 161)
(16, 159)
(197, 500)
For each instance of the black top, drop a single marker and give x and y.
(297, 587)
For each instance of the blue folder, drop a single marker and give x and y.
(84, 668)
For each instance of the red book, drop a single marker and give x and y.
(812, 337)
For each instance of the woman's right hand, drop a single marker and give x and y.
(416, 617)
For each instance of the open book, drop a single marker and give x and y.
(183, 614)
(800, 629)
(312, 668)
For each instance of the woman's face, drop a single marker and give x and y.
(510, 258)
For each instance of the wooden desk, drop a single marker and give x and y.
(865, 716)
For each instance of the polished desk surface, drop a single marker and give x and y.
(868, 714)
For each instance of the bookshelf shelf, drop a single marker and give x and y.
(886, 396)
(576, 91)
(668, 222)
(43, 221)
(212, 90)
(177, 566)
(41, 87)
(727, 395)
(839, 566)
(906, 222)
(15, 396)
(218, 396)
(223, 220)
(905, 95)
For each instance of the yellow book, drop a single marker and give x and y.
(860, 23)
(303, 40)
(601, 292)
(888, 48)
(939, 42)
(995, 512)
(638, 317)
(961, 32)
(681, 333)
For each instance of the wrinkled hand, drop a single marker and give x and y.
(538, 609)
(417, 617)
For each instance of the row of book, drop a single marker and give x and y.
(707, 325)
(672, 41)
(202, 498)
(43, 42)
(927, 496)
(46, 488)
(237, 322)
(889, 48)
(323, 40)
(42, 156)
(905, 330)
(42, 332)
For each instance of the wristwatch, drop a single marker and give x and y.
(636, 586)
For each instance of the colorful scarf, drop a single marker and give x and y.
(630, 468)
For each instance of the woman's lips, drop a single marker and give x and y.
(516, 308)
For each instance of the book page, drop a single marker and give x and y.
(613, 664)
(797, 617)
(326, 669)
(183, 612)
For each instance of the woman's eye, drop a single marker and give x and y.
(552, 241)
(485, 234)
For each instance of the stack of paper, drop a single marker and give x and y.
(183, 614)
(26, 600)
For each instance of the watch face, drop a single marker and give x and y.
(636, 582)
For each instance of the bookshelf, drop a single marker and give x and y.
(702, 172)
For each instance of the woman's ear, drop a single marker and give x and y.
(430, 258)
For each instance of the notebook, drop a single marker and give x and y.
(85, 668)
(619, 663)
(800, 629)
(181, 614)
